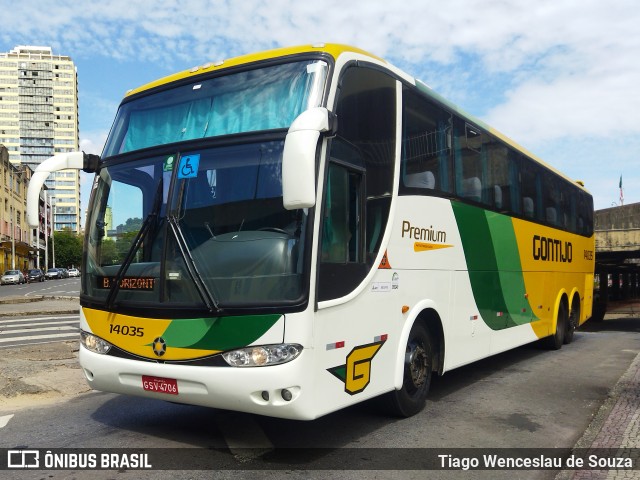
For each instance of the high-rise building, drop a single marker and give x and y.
(39, 118)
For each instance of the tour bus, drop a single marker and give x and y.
(291, 232)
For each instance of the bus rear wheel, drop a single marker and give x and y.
(418, 370)
(572, 322)
(555, 341)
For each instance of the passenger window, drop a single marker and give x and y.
(468, 161)
(498, 190)
(426, 144)
(531, 190)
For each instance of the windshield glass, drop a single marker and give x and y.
(255, 100)
(204, 228)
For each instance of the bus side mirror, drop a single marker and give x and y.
(61, 161)
(299, 157)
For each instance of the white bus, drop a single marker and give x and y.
(292, 232)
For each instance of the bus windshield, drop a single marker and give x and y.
(252, 100)
(203, 229)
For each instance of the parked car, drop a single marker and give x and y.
(74, 272)
(35, 275)
(54, 273)
(12, 276)
(65, 273)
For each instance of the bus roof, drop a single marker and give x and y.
(333, 49)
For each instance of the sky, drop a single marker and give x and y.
(559, 77)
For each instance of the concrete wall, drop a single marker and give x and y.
(618, 228)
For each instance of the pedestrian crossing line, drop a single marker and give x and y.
(39, 324)
(30, 319)
(45, 329)
(38, 337)
(5, 420)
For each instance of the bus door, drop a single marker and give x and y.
(354, 320)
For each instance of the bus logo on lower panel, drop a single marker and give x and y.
(356, 373)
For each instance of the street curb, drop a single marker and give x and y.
(36, 298)
(30, 306)
(68, 311)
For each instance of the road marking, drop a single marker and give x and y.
(244, 437)
(30, 319)
(31, 337)
(5, 420)
(36, 324)
(43, 329)
(24, 331)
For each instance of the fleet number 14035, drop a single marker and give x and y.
(126, 330)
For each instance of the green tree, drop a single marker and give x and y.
(124, 243)
(68, 249)
(109, 253)
(131, 225)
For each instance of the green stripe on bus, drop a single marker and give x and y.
(221, 333)
(495, 274)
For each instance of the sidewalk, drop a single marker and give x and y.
(39, 374)
(616, 426)
(18, 305)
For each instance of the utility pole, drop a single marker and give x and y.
(53, 230)
(13, 216)
(46, 234)
(14, 181)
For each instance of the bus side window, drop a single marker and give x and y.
(469, 162)
(531, 189)
(498, 194)
(341, 226)
(426, 131)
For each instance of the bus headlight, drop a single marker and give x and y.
(263, 355)
(94, 344)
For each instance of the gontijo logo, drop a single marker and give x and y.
(552, 250)
(356, 373)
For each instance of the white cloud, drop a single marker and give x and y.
(538, 71)
(93, 142)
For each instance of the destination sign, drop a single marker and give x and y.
(128, 283)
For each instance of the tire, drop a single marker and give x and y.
(418, 371)
(555, 341)
(572, 323)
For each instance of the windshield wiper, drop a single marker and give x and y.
(137, 241)
(208, 299)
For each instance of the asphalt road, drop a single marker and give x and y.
(68, 287)
(528, 397)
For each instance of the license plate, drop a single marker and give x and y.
(159, 384)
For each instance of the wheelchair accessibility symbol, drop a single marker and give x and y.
(188, 167)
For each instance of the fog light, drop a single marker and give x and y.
(265, 396)
(286, 395)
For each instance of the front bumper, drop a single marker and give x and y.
(257, 390)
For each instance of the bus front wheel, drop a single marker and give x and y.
(418, 370)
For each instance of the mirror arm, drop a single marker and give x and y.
(72, 160)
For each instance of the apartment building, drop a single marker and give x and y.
(39, 118)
